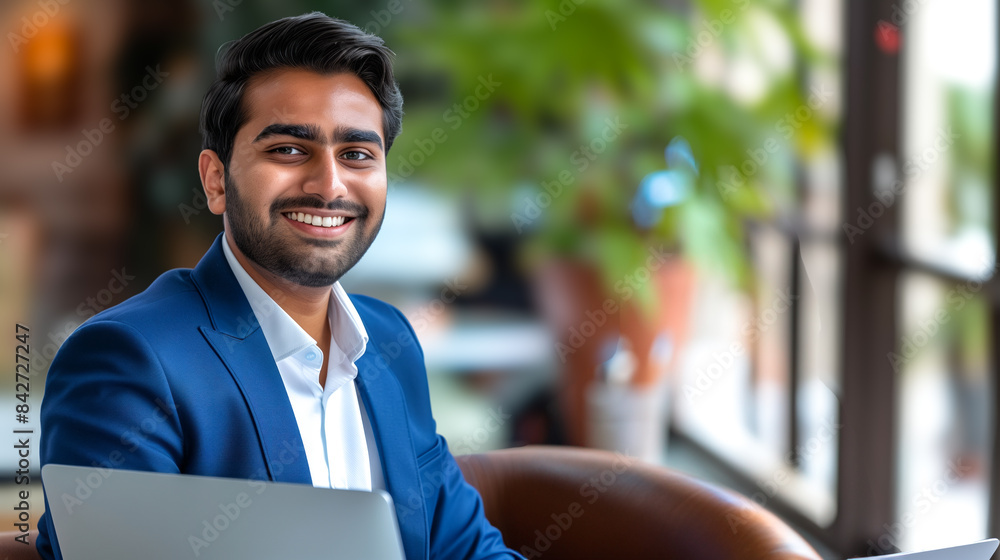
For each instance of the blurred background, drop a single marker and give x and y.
(752, 240)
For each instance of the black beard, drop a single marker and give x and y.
(275, 254)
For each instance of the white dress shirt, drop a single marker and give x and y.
(339, 443)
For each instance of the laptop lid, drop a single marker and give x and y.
(104, 513)
(981, 550)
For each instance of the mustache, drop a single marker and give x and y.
(285, 204)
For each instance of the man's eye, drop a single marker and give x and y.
(287, 151)
(356, 155)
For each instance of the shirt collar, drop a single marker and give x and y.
(284, 336)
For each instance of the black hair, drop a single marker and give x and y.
(313, 41)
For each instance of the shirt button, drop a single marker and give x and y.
(311, 356)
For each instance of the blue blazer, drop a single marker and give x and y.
(180, 379)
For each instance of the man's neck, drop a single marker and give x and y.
(306, 306)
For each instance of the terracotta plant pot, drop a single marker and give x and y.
(587, 320)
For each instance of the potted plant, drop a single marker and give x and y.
(558, 111)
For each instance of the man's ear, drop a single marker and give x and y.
(213, 180)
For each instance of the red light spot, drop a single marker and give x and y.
(887, 37)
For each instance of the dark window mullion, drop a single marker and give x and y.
(867, 451)
(794, 353)
(993, 527)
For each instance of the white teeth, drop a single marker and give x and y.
(319, 221)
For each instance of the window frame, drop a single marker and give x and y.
(872, 265)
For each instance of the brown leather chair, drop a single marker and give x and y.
(579, 504)
(13, 550)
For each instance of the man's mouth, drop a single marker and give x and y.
(318, 221)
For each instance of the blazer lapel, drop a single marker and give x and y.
(383, 399)
(240, 344)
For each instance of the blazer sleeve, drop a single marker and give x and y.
(458, 525)
(459, 528)
(106, 404)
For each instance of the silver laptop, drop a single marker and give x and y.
(981, 550)
(103, 513)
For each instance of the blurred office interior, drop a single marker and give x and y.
(751, 239)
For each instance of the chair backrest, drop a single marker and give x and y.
(575, 504)
(13, 550)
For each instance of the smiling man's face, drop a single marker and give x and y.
(306, 184)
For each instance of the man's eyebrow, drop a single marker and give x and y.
(301, 131)
(344, 135)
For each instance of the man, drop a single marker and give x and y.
(256, 364)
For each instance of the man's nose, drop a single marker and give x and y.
(326, 177)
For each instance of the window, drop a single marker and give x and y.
(866, 410)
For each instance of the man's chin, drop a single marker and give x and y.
(323, 243)
(313, 281)
(310, 262)
(311, 269)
